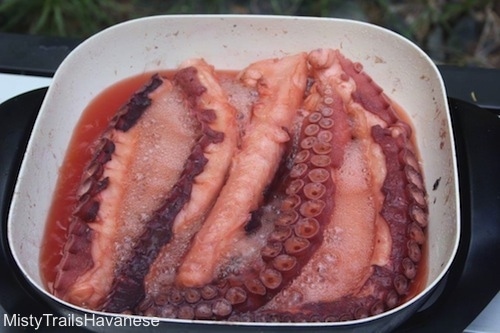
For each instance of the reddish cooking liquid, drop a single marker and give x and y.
(94, 120)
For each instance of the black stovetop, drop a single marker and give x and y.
(474, 278)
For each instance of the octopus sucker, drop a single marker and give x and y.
(290, 190)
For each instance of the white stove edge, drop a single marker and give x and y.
(12, 85)
(488, 320)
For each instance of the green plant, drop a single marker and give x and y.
(453, 31)
(78, 18)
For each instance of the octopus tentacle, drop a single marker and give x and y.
(280, 85)
(302, 208)
(128, 287)
(94, 223)
(403, 190)
(369, 95)
(206, 186)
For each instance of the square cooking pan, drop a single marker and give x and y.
(406, 73)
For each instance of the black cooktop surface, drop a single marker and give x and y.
(472, 282)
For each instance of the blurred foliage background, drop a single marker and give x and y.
(455, 32)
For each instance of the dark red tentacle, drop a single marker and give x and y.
(77, 258)
(127, 290)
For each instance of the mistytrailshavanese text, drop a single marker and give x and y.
(71, 320)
